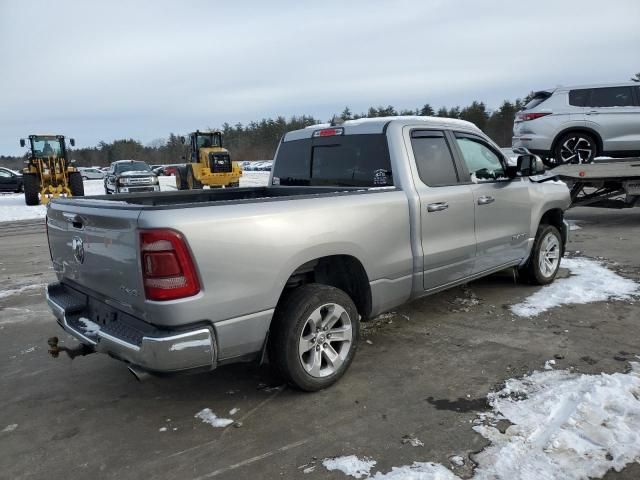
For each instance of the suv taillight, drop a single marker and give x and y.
(525, 117)
(168, 272)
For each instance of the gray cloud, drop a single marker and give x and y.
(99, 71)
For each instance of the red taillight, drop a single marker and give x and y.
(328, 132)
(168, 272)
(525, 117)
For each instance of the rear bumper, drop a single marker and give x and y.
(109, 331)
(540, 145)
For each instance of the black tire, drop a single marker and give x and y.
(31, 187)
(289, 324)
(574, 147)
(532, 271)
(192, 182)
(181, 178)
(75, 184)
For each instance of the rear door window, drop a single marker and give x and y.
(612, 97)
(579, 97)
(434, 159)
(341, 160)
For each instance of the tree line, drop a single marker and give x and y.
(258, 140)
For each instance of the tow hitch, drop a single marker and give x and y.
(79, 351)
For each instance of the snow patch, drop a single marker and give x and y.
(19, 290)
(548, 365)
(27, 350)
(350, 465)
(10, 428)
(563, 425)
(457, 460)
(207, 416)
(90, 328)
(233, 411)
(590, 282)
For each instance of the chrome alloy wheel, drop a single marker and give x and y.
(325, 340)
(577, 149)
(549, 257)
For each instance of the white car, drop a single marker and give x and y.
(91, 173)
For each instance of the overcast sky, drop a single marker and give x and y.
(113, 69)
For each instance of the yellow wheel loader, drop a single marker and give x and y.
(49, 172)
(208, 163)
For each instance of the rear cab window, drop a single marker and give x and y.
(360, 160)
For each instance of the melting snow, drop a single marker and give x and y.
(90, 328)
(207, 416)
(590, 282)
(350, 465)
(16, 291)
(563, 426)
(233, 411)
(10, 428)
(548, 365)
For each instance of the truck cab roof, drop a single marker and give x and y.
(379, 125)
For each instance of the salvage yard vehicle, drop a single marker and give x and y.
(49, 172)
(10, 180)
(577, 124)
(358, 218)
(209, 164)
(130, 176)
(91, 173)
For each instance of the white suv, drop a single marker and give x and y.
(576, 124)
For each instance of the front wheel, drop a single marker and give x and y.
(575, 147)
(75, 184)
(544, 261)
(314, 336)
(31, 187)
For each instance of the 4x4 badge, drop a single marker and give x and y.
(78, 249)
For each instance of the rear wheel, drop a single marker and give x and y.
(544, 261)
(181, 180)
(314, 336)
(192, 182)
(75, 184)
(31, 187)
(575, 147)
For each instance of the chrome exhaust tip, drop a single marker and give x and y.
(140, 374)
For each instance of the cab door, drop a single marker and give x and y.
(502, 205)
(446, 210)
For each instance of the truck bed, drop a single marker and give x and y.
(199, 198)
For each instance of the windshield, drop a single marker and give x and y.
(132, 167)
(208, 140)
(348, 161)
(47, 147)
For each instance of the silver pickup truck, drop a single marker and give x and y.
(357, 219)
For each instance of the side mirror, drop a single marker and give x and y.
(529, 165)
(72, 142)
(182, 140)
(22, 142)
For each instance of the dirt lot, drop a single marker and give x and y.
(424, 371)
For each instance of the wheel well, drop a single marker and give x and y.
(555, 217)
(588, 131)
(340, 271)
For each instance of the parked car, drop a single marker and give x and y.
(130, 176)
(356, 220)
(577, 124)
(10, 180)
(91, 173)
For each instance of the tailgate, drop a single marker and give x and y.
(96, 249)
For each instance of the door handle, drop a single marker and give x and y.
(593, 112)
(437, 207)
(485, 200)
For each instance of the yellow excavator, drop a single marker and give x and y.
(208, 163)
(49, 173)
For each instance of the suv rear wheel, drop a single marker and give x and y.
(314, 336)
(575, 147)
